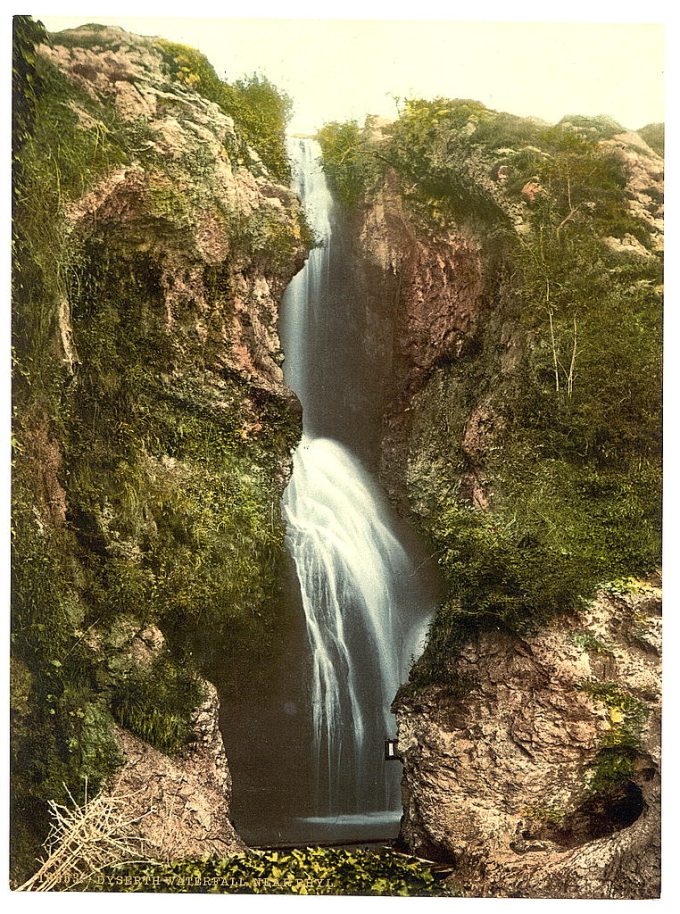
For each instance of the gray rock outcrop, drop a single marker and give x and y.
(538, 775)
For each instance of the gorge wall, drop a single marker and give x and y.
(152, 427)
(519, 267)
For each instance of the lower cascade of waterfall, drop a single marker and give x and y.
(353, 573)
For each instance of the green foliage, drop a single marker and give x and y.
(264, 111)
(61, 726)
(173, 496)
(598, 128)
(629, 586)
(628, 715)
(55, 164)
(156, 703)
(260, 110)
(555, 534)
(612, 767)
(307, 871)
(430, 149)
(26, 82)
(449, 629)
(572, 471)
(588, 642)
(343, 151)
(60, 723)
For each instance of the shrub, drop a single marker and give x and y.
(342, 148)
(260, 110)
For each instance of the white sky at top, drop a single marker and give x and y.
(338, 69)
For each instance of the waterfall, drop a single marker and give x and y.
(364, 604)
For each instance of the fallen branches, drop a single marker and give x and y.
(83, 840)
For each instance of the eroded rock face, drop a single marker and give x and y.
(538, 772)
(445, 300)
(431, 293)
(194, 198)
(437, 297)
(644, 171)
(181, 802)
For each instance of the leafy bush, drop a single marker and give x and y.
(430, 149)
(343, 150)
(308, 871)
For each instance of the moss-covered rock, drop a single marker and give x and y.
(536, 769)
(152, 427)
(522, 264)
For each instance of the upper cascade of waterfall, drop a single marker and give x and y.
(309, 182)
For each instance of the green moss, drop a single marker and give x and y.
(619, 750)
(61, 727)
(74, 38)
(156, 704)
(629, 586)
(551, 814)
(57, 163)
(588, 642)
(613, 766)
(628, 714)
(172, 494)
(305, 871)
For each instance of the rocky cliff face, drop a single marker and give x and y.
(530, 730)
(540, 778)
(153, 427)
(179, 803)
(449, 298)
(436, 288)
(202, 213)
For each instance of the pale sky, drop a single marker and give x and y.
(339, 69)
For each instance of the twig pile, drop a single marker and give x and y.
(83, 840)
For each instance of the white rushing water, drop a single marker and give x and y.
(362, 605)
